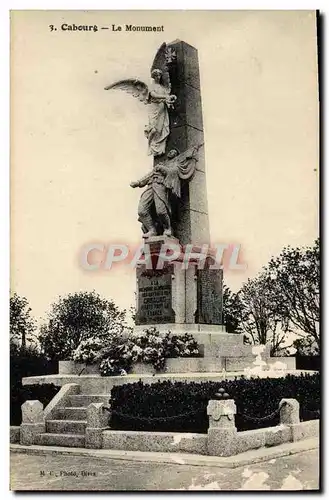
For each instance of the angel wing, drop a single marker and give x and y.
(160, 62)
(135, 87)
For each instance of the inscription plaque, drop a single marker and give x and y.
(154, 297)
(209, 296)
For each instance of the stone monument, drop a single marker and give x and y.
(173, 210)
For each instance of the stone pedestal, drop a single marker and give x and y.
(178, 291)
(33, 422)
(97, 422)
(222, 431)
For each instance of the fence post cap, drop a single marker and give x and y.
(217, 409)
(289, 401)
(96, 415)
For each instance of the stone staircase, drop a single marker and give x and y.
(68, 424)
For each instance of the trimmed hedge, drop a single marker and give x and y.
(30, 364)
(304, 362)
(25, 365)
(153, 407)
(19, 394)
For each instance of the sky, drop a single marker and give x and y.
(75, 147)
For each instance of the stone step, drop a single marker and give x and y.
(69, 440)
(85, 399)
(71, 413)
(66, 426)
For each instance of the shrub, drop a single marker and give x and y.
(77, 317)
(25, 364)
(19, 394)
(153, 407)
(28, 364)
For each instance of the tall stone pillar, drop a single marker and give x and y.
(186, 130)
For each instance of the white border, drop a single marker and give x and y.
(4, 196)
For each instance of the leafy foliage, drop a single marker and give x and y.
(294, 277)
(26, 364)
(19, 394)
(283, 298)
(306, 346)
(231, 310)
(153, 407)
(22, 325)
(76, 318)
(260, 320)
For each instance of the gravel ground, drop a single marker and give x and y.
(60, 472)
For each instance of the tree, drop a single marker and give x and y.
(295, 279)
(77, 317)
(305, 347)
(231, 310)
(260, 321)
(133, 313)
(22, 324)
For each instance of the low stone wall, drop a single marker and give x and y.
(198, 443)
(155, 441)
(239, 363)
(181, 365)
(289, 361)
(193, 365)
(222, 438)
(15, 432)
(73, 368)
(173, 365)
(95, 384)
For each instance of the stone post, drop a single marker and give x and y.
(33, 422)
(97, 422)
(222, 431)
(289, 416)
(289, 411)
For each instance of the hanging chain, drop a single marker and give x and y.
(193, 413)
(155, 419)
(262, 419)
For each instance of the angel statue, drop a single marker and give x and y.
(163, 190)
(158, 98)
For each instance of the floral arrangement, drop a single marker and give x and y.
(181, 346)
(118, 353)
(116, 360)
(88, 351)
(148, 347)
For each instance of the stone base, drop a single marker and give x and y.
(212, 339)
(182, 365)
(181, 328)
(207, 364)
(171, 442)
(95, 384)
(15, 433)
(177, 289)
(71, 367)
(29, 432)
